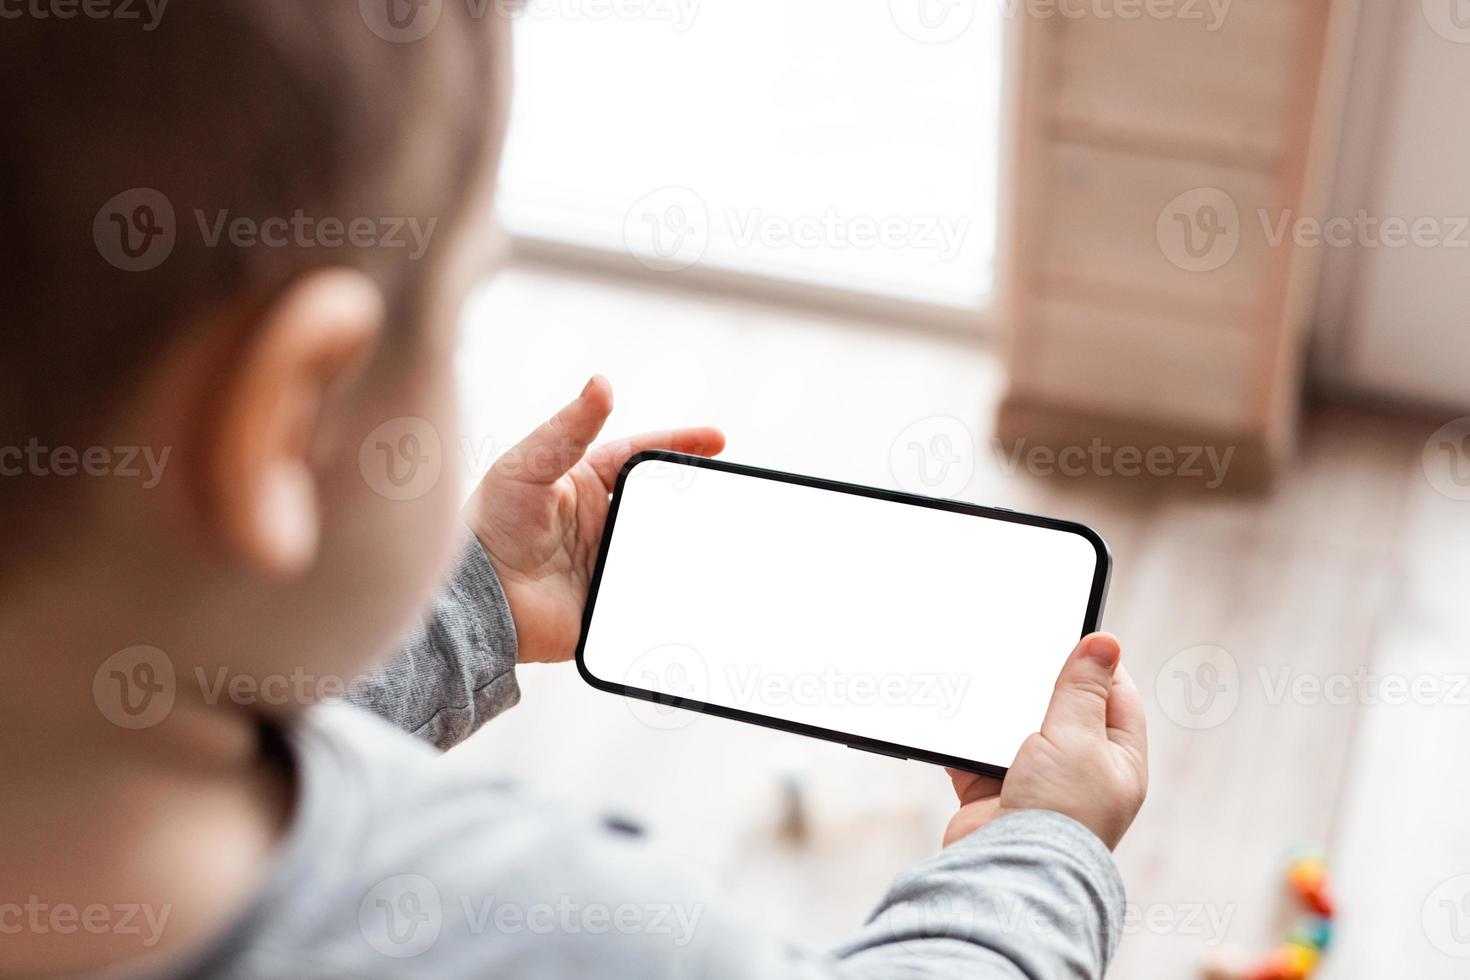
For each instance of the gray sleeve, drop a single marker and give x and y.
(1030, 896)
(402, 866)
(456, 669)
(1033, 894)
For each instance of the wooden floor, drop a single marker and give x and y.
(1314, 604)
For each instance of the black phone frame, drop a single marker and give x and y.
(1090, 622)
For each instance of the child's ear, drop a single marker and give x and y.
(263, 486)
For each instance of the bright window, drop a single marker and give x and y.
(847, 143)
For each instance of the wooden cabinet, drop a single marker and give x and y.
(1150, 280)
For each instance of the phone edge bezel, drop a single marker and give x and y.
(1092, 618)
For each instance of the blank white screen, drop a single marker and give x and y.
(929, 629)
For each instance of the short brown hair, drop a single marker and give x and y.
(262, 108)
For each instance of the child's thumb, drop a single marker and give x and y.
(546, 454)
(1080, 699)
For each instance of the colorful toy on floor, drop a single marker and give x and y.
(1299, 955)
(1307, 877)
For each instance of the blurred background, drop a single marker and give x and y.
(1194, 272)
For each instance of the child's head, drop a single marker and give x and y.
(236, 235)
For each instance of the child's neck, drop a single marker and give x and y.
(177, 819)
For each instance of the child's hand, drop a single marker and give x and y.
(1089, 761)
(540, 510)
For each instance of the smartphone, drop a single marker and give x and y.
(904, 625)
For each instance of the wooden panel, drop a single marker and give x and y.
(1211, 79)
(1138, 366)
(1191, 234)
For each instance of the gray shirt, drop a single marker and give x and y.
(397, 865)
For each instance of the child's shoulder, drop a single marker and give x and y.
(395, 851)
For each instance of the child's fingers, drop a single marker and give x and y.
(1080, 699)
(546, 454)
(609, 460)
(1127, 725)
(969, 786)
